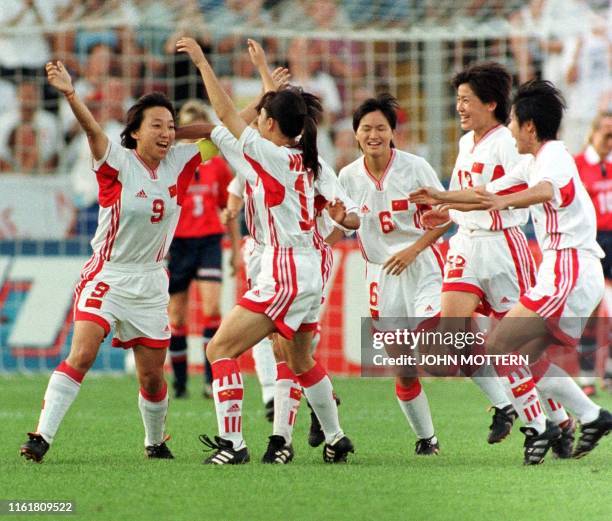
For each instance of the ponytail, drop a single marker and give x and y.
(308, 142)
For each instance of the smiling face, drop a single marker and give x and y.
(156, 133)
(473, 113)
(374, 135)
(523, 134)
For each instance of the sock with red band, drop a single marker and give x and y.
(62, 390)
(320, 394)
(287, 395)
(153, 409)
(228, 393)
(413, 403)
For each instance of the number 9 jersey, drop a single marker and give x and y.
(139, 207)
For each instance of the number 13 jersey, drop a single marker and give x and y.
(389, 221)
(139, 207)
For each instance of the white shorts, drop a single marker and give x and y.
(287, 289)
(496, 266)
(252, 252)
(569, 286)
(414, 293)
(131, 298)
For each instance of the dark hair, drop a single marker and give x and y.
(135, 115)
(386, 103)
(491, 82)
(297, 113)
(541, 102)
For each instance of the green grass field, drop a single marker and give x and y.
(97, 461)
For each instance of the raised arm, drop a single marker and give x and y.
(221, 103)
(60, 79)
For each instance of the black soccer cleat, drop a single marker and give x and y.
(563, 446)
(427, 447)
(537, 445)
(159, 451)
(337, 451)
(269, 410)
(501, 423)
(180, 391)
(278, 451)
(224, 452)
(35, 448)
(591, 433)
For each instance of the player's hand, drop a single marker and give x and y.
(191, 47)
(227, 215)
(425, 195)
(336, 210)
(281, 77)
(397, 263)
(490, 200)
(256, 53)
(435, 217)
(58, 77)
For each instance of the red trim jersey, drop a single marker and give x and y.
(206, 195)
(139, 207)
(389, 221)
(568, 220)
(478, 164)
(288, 213)
(591, 169)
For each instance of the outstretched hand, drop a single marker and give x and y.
(435, 217)
(256, 53)
(58, 77)
(425, 195)
(192, 48)
(281, 77)
(337, 210)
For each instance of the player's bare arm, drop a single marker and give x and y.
(397, 263)
(337, 211)
(219, 99)
(60, 79)
(540, 193)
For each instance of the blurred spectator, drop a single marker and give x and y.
(180, 71)
(226, 18)
(24, 48)
(28, 112)
(303, 57)
(8, 95)
(588, 80)
(540, 30)
(24, 150)
(245, 84)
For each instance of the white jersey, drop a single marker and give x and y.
(389, 221)
(288, 188)
(568, 220)
(140, 207)
(478, 164)
(253, 195)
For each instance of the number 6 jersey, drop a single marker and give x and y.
(139, 207)
(389, 221)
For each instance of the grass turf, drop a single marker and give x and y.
(97, 460)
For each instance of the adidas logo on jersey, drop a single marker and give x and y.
(234, 408)
(141, 194)
(505, 300)
(428, 309)
(167, 329)
(365, 209)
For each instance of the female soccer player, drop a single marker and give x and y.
(404, 268)
(287, 293)
(570, 282)
(196, 254)
(142, 184)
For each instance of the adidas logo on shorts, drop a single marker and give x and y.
(141, 194)
(365, 209)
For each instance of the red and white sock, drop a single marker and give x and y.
(523, 395)
(153, 409)
(265, 367)
(320, 394)
(561, 387)
(62, 389)
(287, 395)
(228, 393)
(413, 403)
(555, 412)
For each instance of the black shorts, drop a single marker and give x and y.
(604, 238)
(194, 258)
